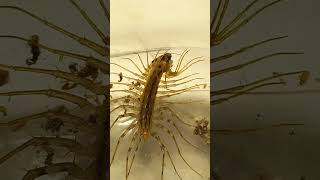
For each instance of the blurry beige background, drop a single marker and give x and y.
(153, 24)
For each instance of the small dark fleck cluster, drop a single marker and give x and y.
(54, 125)
(201, 127)
(35, 50)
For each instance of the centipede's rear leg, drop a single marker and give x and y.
(170, 121)
(170, 133)
(125, 132)
(125, 114)
(164, 149)
(131, 146)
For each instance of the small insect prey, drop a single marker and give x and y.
(145, 106)
(35, 50)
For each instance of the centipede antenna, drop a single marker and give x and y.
(167, 50)
(180, 59)
(141, 63)
(157, 53)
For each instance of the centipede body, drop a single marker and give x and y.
(146, 104)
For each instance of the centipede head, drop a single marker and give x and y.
(164, 62)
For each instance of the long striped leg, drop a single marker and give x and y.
(179, 132)
(175, 115)
(122, 116)
(136, 134)
(125, 132)
(134, 155)
(165, 150)
(169, 132)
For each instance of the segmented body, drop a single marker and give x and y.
(159, 66)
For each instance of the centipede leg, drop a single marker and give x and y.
(129, 152)
(165, 150)
(175, 115)
(122, 116)
(120, 139)
(142, 62)
(169, 132)
(136, 64)
(123, 107)
(162, 164)
(134, 155)
(181, 135)
(181, 59)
